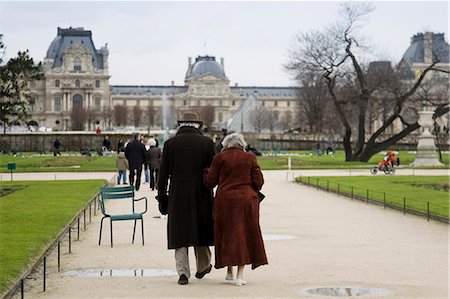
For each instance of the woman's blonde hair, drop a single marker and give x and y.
(234, 140)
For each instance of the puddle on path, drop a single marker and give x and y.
(278, 237)
(120, 273)
(347, 291)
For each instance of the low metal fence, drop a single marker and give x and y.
(427, 209)
(76, 225)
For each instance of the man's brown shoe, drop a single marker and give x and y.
(200, 275)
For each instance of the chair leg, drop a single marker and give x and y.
(142, 226)
(100, 237)
(134, 231)
(110, 225)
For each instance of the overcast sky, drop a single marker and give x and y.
(150, 42)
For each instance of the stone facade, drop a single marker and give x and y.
(76, 75)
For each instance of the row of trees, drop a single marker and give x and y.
(338, 89)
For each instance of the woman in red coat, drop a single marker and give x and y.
(237, 234)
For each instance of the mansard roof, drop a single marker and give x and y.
(173, 89)
(66, 38)
(264, 91)
(416, 51)
(147, 89)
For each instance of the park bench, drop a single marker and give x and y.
(123, 193)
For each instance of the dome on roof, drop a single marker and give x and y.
(416, 51)
(205, 65)
(53, 48)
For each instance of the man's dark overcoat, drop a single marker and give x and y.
(135, 154)
(184, 158)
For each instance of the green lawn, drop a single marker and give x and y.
(33, 215)
(418, 190)
(28, 162)
(308, 160)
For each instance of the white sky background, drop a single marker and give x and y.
(150, 42)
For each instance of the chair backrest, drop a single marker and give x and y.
(108, 193)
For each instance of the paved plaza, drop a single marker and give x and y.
(313, 240)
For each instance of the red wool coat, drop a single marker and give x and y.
(237, 234)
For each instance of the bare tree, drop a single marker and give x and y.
(313, 97)
(137, 114)
(78, 118)
(120, 115)
(335, 53)
(107, 114)
(207, 115)
(258, 117)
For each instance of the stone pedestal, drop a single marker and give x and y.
(426, 146)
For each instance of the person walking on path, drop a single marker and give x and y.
(154, 162)
(237, 234)
(122, 166)
(136, 156)
(56, 146)
(189, 202)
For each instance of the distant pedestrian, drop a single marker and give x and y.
(136, 156)
(318, 149)
(122, 166)
(329, 145)
(237, 233)
(154, 159)
(106, 143)
(56, 146)
(121, 145)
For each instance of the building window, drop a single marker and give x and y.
(57, 83)
(98, 103)
(57, 103)
(220, 103)
(275, 103)
(289, 103)
(198, 103)
(77, 83)
(77, 64)
(184, 103)
(32, 102)
(32, 84)
(97, 83)
(77, 101)
(220, 117)
(233, 102)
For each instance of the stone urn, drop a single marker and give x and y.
(426, 146)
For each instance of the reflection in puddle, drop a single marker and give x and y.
(347, 292)
(278, 237)
(120, 273)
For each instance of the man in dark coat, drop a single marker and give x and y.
(136, 155)
(189, 202)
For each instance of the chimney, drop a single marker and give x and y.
(427, 47)
(189, 62)
(222, 62)
(173, 83)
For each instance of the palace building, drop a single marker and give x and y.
(76, 75)
(75, 92)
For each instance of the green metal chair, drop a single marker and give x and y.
(127, 192)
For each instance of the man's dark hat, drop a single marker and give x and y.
(190, 117)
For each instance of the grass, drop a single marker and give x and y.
(29, 162)
(418, 190)
(32, 216)
(308, 160)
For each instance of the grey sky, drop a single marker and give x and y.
(150, 41)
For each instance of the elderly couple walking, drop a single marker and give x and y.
(190, 168)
